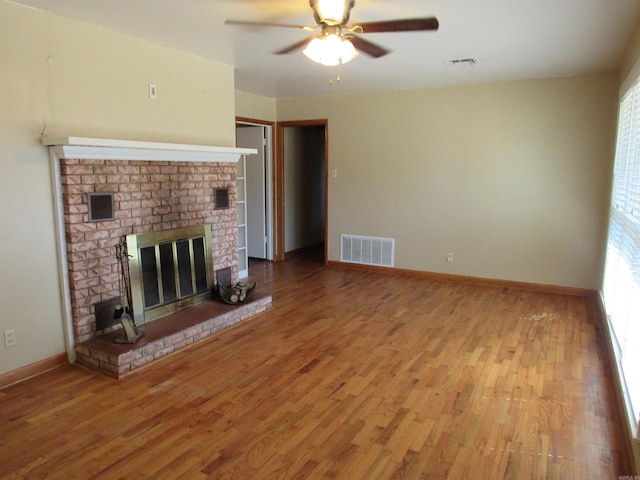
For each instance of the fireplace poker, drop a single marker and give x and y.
(122, 312)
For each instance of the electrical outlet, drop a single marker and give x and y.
(450, 257)
(9, 338)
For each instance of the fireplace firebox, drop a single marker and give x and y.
(169, 271)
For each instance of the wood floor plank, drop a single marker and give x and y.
(353, 375)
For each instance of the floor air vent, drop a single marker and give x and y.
(367, 250)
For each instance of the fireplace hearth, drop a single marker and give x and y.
(166, 336)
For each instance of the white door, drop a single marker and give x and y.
(253, 137)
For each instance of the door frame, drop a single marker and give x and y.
(279, 253)
(272, 242)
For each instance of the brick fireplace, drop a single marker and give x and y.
(155, 188)
(148, 196)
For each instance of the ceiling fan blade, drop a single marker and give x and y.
(367, 47)
(246, 23)
(408, 25)
(293, 47)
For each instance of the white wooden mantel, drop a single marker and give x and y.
(109, 149)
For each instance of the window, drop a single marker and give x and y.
(621, 287)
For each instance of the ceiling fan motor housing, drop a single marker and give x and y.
(331, 12)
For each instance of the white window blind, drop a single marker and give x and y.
(621, 287)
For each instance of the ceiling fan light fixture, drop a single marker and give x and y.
(314, 50)
(332, 12)
(349, 52)
(330, 50)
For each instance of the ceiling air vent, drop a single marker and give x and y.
(469, 62)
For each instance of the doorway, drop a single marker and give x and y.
(302, 147)
(301, 186)
(258, 172)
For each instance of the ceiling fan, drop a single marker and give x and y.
(338, 42)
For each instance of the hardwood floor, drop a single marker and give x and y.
(352, 375)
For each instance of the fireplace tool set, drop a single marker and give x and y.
(123, 312)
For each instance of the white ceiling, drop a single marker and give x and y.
(512, 39)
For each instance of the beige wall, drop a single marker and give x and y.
(511, 178)
(255, 107)
(631, 67)
(80, 80)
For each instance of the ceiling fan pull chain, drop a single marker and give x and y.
(338, 76)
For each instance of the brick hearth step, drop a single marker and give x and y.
(165, 336)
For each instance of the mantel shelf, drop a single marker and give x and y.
(109, 149)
